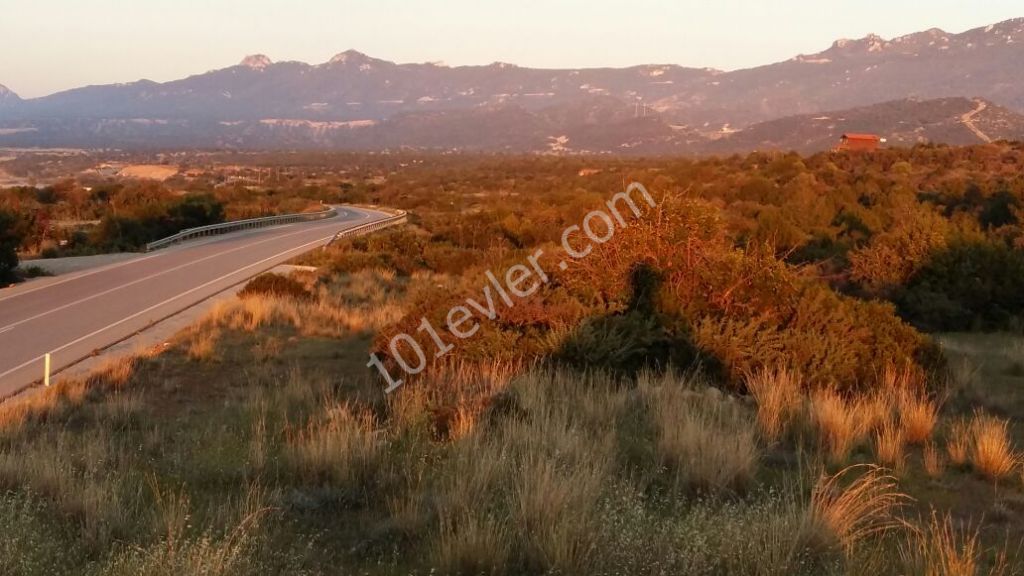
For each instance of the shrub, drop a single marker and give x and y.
(271, 284)
(12, 234)
(967, 286)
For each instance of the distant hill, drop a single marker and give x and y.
(356, 101)
(957, 121)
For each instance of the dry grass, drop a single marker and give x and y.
(706, 444)
(208, 553)
(341, 448)
(839, 427)
(991, 453)
(112, 375)
(918, 416)
(939, 548)
(958, 442)
(202, 343)
(79, 476)
(472, 544)
(851, 513)
(873, 411)
(449, 400)
(529, 488)
(331, 314)
(778, 397)
(552, 507)
(934, 466)
(890, 445)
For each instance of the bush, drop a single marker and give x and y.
(271, 284)
(12, 234)
(977, 285)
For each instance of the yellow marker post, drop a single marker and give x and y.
(46, 370)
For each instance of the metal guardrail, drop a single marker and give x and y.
(400, 217)
(225, 227)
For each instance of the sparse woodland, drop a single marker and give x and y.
(792, 365)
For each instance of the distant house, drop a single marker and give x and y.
(859, 143)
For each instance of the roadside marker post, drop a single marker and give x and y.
(46, 370)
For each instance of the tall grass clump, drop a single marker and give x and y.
(202, 343)
(939, 548)
(706, 444)
(778, 397)
(340, 449)
(918, 416)
(991, 453)
(958, 442)
(890, 445)
(849, 512)
(933, 462)
(837, 423)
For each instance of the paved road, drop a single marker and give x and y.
(73, 316)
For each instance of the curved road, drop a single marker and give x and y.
(73, 317)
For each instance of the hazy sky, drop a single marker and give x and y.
(52, 45)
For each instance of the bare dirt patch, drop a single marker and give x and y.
(149, 171)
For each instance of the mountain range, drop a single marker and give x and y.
(929, 86)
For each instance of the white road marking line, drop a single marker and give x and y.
(143, 279)
(108, 267)
(158, 305)
(83, 274)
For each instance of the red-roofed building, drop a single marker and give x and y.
(859, 143)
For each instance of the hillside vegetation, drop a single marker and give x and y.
(757, 375)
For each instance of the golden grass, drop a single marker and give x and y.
(838, 424)
(202, 343)
(369, 307)
(918, 416)
(939, 548)
(890, 445)
(852, 512)
(991, 453)
(958, 442)
(112, 375)
(450, 399)
(872, 412)
(778, 397)
(934, 466)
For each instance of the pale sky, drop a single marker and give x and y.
(52, 45)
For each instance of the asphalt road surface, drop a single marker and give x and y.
(72, 317)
